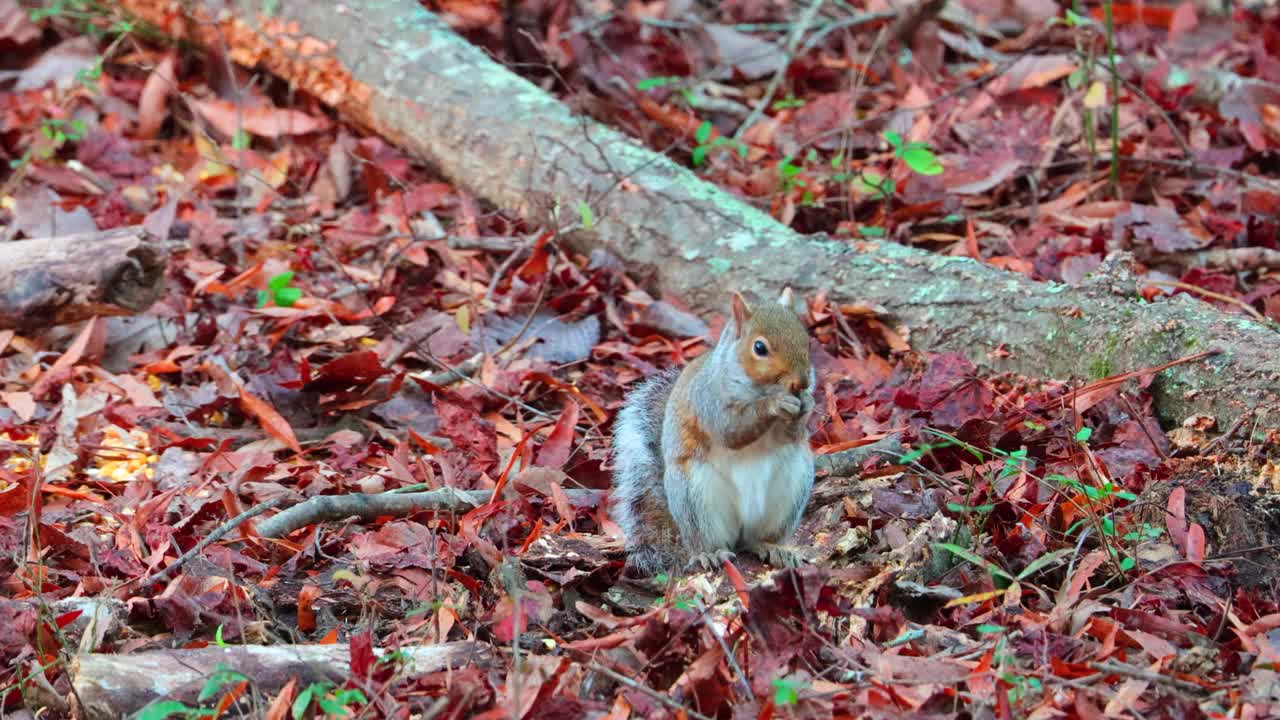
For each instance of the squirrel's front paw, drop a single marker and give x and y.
(780, 555)
(785, 405)
(806, 402)
(713, 560)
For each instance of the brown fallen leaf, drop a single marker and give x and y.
(271, 420)
(266, 122)
(153, 104)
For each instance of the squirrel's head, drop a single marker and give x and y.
(771, 342)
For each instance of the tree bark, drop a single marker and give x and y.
(393, 67)
(69, 278)
(114, 686)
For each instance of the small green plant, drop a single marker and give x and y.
(706, 144)
(785, 692)
(334, 703)
(171, 708)
(279, 291)
(917, 155)
(790, 101)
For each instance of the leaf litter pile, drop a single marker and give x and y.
(338, 321)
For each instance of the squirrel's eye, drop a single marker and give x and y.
(760, 348)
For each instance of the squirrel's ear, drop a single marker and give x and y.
(788, 297)
(741, 311)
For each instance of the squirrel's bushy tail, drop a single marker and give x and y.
(639, 501)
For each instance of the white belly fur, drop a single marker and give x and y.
(749, 494)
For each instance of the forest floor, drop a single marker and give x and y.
(1042, 548)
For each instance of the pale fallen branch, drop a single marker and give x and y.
(114, 686)
(69, 278)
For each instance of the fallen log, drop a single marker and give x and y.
(69, 278)
(114, 686)
(397, 69)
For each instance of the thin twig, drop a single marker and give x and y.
(793, 42)
(213, 537)
(647, 691)
(1188, 287)
(1148, 675)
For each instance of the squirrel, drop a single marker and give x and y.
(715, 457)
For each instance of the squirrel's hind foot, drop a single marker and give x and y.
(713, 560)
(779, 555)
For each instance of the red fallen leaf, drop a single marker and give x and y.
(1264, 624)
(153, 103)
(355, 368)
(555, 451)
(280, 706)
(1175, 521)
(538, 262)
(362, 657)
(1154, 16)
(229, 698)
(849, 444)
(510, 619)
(739, 584)
(306, 607)
(271, 420)
(469, 527)
(14, 493)
(263, 121)
(534, 534)
(1195, 543)
(330, 638)
(67, 618)
(1183, 21)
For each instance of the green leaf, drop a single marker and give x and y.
(280, 281)
(699, 155)
(302, 702)
(1042, 561)
(1076, 79)
(957, 507)
(894, 139)
(163, 709)
(217, 637)
(1075, 19)
(1127, 564)
(1177, 78)
(704, 132)
(922, 160)
(653, 82)
(989, 628)
(588, 217)
(263, 297)
(971, 557)
(871, 231)
(286, 297)
(788, 102)
(221, 677)
(1108, 527)
(1084, 434)
(241, 141)
(333, 707)
(785, 692)
(351, 696)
